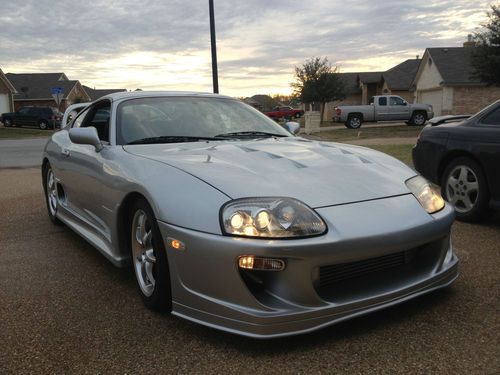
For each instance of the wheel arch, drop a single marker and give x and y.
(448, 158)
(123, 220)
(360, 114)
(422, 111)
(45, 162)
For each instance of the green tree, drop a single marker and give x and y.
(486, 54)
(317, 81)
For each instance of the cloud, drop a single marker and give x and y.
(153, 44)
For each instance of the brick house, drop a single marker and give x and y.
(34, 89)
(7, 92)
(445, 79)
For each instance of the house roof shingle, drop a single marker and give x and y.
(454, 64)
(370, 77)
(39, 85)
(99, 93)
(351, 84)
(401, 76)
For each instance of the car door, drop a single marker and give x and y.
(22, 116)
(398, 108)
(381, 109)
(487, 145)
(83, 173)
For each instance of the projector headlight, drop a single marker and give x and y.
(426, 193)
(270, 218)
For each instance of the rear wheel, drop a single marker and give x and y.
(354, 121)
(418, 119)
(465, 186)
(43, 124)
(149, 258)
(297, 115)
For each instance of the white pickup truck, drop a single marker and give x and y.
(383, 108)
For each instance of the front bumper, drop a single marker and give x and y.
(208, 287)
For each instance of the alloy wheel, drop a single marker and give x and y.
(143, 253)
(51, 192)
(462, 188)
(419, 119)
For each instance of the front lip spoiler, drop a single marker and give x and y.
(439, 281)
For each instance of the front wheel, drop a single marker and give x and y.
(7, 122)
(149, 258)
(464, 186)
(297, 115)
(43, 125)
(354, 122)
(418, 119)
(50, 188)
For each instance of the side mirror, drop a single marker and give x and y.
(292, 127)
(86, 136)
(405, 102)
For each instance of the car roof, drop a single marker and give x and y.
(149, 94)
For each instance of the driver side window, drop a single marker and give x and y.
(96, 116)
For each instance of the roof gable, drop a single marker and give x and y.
(454, 65)
(7, 83)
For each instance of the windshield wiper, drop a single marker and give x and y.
(250, 134)
(173, 139)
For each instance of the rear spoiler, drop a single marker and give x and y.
(435, 121)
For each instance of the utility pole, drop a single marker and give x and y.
(215, 76)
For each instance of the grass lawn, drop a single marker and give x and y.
(339, 135)
(18, 133)
(401, 152)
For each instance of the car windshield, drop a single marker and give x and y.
(188, 119)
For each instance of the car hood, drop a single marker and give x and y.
(317, 173)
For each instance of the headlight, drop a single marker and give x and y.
(270, 218)
(426, 193)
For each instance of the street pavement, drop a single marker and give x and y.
(16, 153)
(64, 309)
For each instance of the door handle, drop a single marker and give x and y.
(65, 152)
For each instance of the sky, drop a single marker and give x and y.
(165, 45)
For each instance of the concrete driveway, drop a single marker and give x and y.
(64, 309)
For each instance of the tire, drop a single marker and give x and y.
(464, 185)
(43, 125)
(149, 258)
(354, 121)
(7, 122)
(50, 189)
(297, 115)
(418, 119)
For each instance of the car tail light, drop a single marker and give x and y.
(338, 111)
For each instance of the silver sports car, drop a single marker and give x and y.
(230, 220)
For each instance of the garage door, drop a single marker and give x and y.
(4, 103)
(434, 98)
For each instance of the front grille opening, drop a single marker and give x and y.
(365, 278)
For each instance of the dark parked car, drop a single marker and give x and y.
(464, 158)
(41, 117)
